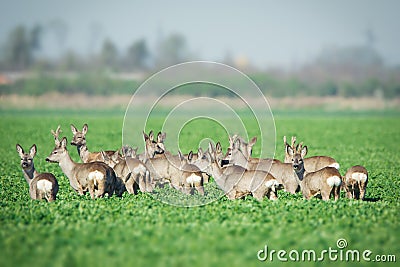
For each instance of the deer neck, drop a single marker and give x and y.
(67, 165)
(241, 159)
(79, 148)
(216, 171)
(83, 153)
(30, 173)
(300, 174)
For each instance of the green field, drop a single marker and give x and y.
(137, 230)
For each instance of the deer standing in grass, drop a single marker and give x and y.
(235, 180)
(190, 177)
(167, 168)
(130, 170)
(79, 140)
(282, 172)
(355, 182)
(326, 181)
(96, 177)
(313, 163)
(41, 185)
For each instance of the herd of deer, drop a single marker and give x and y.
(236, 172)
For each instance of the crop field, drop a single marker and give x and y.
(138, 230)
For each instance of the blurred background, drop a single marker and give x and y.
(302, 54)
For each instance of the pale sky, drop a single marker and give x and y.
(268, 33)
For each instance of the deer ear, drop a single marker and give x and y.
(159, 137)
(190, 156)
(304, 151)
(104, 155)
(200, 152)
(73, 129)
(145, 136)
(218, 147)
(289, 151)
(20, 150)
(85, 129)
(253, 141)
(33, 150)
(151, 135)
(64, 142)
(180, 155)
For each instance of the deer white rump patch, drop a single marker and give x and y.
(335, 165)
(359, 176)
(193, 178)
(96, 176)
(44, 185)
(271, 183)
(334, 181)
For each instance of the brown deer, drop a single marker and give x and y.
(247, 148)
(166, 168)
(190, 176)
(325, 181)
(355, 182)
(282, 172)
(235, 180)
(153, 148)
(130, 170)
(41, 185)
(313, 163)
(79, 140)
(96, 177)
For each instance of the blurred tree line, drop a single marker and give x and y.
(336, 71)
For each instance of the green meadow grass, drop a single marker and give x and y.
(137, 230)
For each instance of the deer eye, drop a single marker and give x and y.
(54, 152)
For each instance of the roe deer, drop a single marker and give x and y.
(247, 148)
(355, 182)
(164, 167)
(96, 177)
(235, 180)
(313, 163)
(325, 181)
(152, 147)
(131, 171)
(79, 140)
(190, 177)
(41, 185)
(283, 172)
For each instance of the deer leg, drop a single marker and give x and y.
(52, 197)
(102, 185)
(231, 194)
(325, 194)
(39, 195)
(91, 188)
(336, 192)
(362, 191)
(200, 189)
